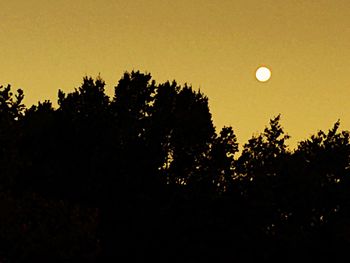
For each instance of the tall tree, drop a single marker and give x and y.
(320, 177)
(11, 111)
(259, 174)
(187, 132)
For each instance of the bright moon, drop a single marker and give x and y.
(263, 74)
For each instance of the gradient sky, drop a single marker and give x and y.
(213, 45)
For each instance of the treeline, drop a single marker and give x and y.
(144, 175)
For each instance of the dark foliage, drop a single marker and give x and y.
(144, 176)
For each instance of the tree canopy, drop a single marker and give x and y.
(146, 175)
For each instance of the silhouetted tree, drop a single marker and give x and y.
(11, 111)
(187, 132)
(219, 168)
(261, 162)
(84, 125)
(322, 172)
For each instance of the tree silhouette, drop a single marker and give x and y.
(322, 162)
(144, 175)
(260, 167)
(219, 173)
(11, 111)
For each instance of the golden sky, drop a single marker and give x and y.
(213, 45)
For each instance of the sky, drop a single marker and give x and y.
(215, 46)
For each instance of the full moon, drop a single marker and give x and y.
(263, 74)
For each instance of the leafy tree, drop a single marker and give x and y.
(37, 146)
(187, 132)
(11, 111)
(320, 176)
(11, 107)
(219, 168)
(131, 109)
(261, 154)
(260, 175)
(84, 124)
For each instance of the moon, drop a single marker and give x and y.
(263, 74)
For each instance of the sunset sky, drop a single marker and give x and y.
(213, 45)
